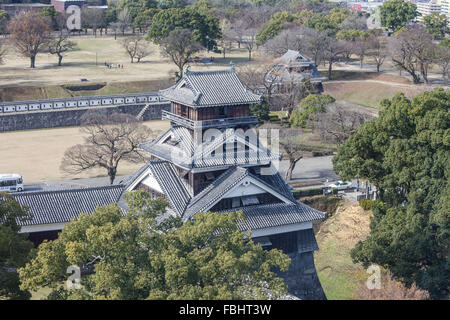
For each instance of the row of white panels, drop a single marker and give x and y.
(82, 102)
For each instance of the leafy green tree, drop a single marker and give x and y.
(274, 26)
(405, 153)
(50, 14)
(180, 46)
(205, 27)
(166, 4)
(395, 14)
(352, 35)
(135, 257)
(14, 247)
(436, 25)
(144, 19)
(261, 110)
(445, 43)
(329, 22)
(310, 105)
(3, 21)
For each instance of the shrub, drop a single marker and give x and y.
(366, 204)
(307, 192)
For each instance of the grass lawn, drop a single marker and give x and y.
(339, 276)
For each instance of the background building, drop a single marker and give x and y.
(14, 9)
(427, 8)
(62, 5)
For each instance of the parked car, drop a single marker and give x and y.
(341, 185)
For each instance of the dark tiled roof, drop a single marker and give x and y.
(210, 88)
(228, 180)
(183, 152)
(277, 182)
(131, 178)
(214, 191)
(60, 206)
(277, 215)
(171, 185)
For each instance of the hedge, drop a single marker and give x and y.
(297, 193)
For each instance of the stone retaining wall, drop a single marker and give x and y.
(66, 118)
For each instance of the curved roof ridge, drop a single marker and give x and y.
(65, 190)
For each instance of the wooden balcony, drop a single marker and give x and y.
(214, 123)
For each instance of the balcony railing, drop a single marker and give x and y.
(214, 123)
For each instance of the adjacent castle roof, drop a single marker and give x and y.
(185, 205)
(60, 206)
(177, 146)
(289, 66)
(210, 88)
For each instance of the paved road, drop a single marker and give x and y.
(306, 171)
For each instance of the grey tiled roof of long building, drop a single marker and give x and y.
(276, 215)
(210, 88)
(60, 206)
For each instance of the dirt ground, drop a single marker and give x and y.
(338, 275)
(89, 62)
(37, 154)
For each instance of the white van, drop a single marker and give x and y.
(11, 182)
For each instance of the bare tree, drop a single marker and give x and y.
(361, 48)
(314, 44)
(391, 290)
(442, 60)
(123, 20)
(115, 26)
(333, 49)
(249, 41)
(29, 33)
(237, 31)
(92, 18)
(2, 51)
(295, 146)
(255, 76)
(413, 50)
(226, 41)
(180, 46)
(60, 44)
(354, 22)
(338, 123)
(109, 141)
(289, 39)
(143, 51)
(136, 47)
(378, 51)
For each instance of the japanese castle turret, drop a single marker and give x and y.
(211, 160)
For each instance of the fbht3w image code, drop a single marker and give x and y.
(247, 309)
(227, 309)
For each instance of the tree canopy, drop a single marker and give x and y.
(405, 153)
(205, 27)
(436, 25)
(135, 257)
(395, 14)
(14, 247)
(310, 105)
